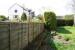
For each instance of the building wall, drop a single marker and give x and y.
(11, 12)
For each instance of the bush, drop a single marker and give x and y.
(50, 18)
(40, 18)
(69, 17)
(63, 22)
(2, 18)
(23, 17)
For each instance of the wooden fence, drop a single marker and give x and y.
(16, 36)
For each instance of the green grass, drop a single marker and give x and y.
(66, 32)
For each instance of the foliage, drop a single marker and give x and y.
(46, 15)
(41, 18)
(50, 18)
(35, 19)
(64, 22)
(2, 18)
(23, 17)
(69, 17)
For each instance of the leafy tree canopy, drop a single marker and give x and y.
(23, 17)
(50, 18)
(69, 17)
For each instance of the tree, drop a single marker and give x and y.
(23, 17)
(50, 18)
(2, 18)
(69, 17)
(46, 15)
(41, 17)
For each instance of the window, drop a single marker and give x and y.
(16, 16)
(15, 11)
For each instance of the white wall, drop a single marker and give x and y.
(12, 13)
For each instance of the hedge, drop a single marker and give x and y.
(50, 18)
(62, 22)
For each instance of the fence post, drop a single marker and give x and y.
(9, 35)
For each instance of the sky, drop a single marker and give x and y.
(60, 7)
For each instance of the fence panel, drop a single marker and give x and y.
(35, 31)
(20, 36)
(4, 36)
(24, 34)
(16, 36)
(30, 32)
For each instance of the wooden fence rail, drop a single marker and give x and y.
(16, 36)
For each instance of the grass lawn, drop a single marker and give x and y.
(65, 40)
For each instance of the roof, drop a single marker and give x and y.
(26, 9)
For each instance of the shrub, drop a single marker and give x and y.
(63, 22)
(2, 18)
(69, 17)
(40, 18)
(50, 18)
(23, 17)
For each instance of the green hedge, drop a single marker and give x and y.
(50, 18)
(62, 22)
(2, 18)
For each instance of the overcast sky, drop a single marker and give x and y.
(60, 7)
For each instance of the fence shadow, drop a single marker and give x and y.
(34, 44)
(48, 43)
